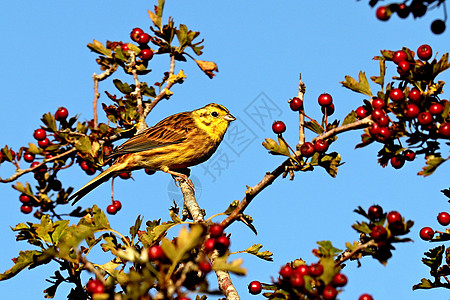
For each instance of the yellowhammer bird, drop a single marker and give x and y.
(179, 141)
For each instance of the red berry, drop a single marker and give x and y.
(111, 209)
(374, 129)
(210, 245)
(414, 95)
(379, 233)
(286, 271)
(44, 143)
(28, 157)
(411, 111)
(425, 118)
(444, 129)
(117, 204)
(26, 209)
(436, 109)
(156, 253)
(328, 110)
(204, 266)
(383, 134)
(397, 161)
(125, 175)
(443, 218)
(39, 134)
(143, 38)
(382, 13)
(375, 212)
(135, 33)
(24, 198)
(399, 56)
(394, 217)
(320, 146)
(296, 104)
(84, 165)
(222, 242)
(125, 47)
(396, 95)
(297, 280)
(424, 52)
(426, 233)
(61, 114)
(254, 287)
(95, 286)
(403, 67)
(329, 293)
(302, 270)
(307, 149)
(90, 171)
(146, 54)
(361, 112)
(378, 103)
(215, 230)
(325, 99)
(278, 127)
(316, 269)
(383, 121)
(365, 297)
(409, 155)
(438, 26)
(340, 279)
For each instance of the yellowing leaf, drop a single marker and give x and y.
(360, 86)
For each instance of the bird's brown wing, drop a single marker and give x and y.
(171, 130)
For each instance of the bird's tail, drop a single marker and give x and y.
(88, 187)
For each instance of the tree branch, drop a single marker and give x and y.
(301, 116)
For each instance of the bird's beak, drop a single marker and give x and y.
(229, 117)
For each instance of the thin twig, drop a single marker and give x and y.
(20, 172)
(344, 257)
(190, 202)
(97, 78)
(224, 280)
(301, 116)
(363, 123)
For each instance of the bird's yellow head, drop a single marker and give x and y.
(214, 119)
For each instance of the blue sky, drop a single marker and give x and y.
(260, 48)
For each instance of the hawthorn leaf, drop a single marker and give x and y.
(360, 86)
(25, 259)
(424, 284)
(220, 264)
(432, 163)
(266, 255)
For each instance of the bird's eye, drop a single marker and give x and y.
(215, 114)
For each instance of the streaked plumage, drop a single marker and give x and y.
(179, 141)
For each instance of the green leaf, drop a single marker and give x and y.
(157, 16)
(433, 162)
(424, 284)
(326, 248)
(182, 35)
(361, 86)
(98, 47)
(266, 255)
(330, 162)
(274, 148)
(32, 148)
(155, 233)
(380, 79)
(362, 227)
(220, 264)
(84, 145)
(350, 118)
(435, 258)
(124, 88)
(25, 259)
(137, 224)
(49, 120)
(314, 127)
(441, 65)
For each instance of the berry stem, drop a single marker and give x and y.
(346, 255)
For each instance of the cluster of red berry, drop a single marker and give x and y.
(410, 105)
(217, 240)
(295, 275)
(142, 38)
(380, 233)
(28, 201)
(427, 233)
(417, 8)
(296, 104)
